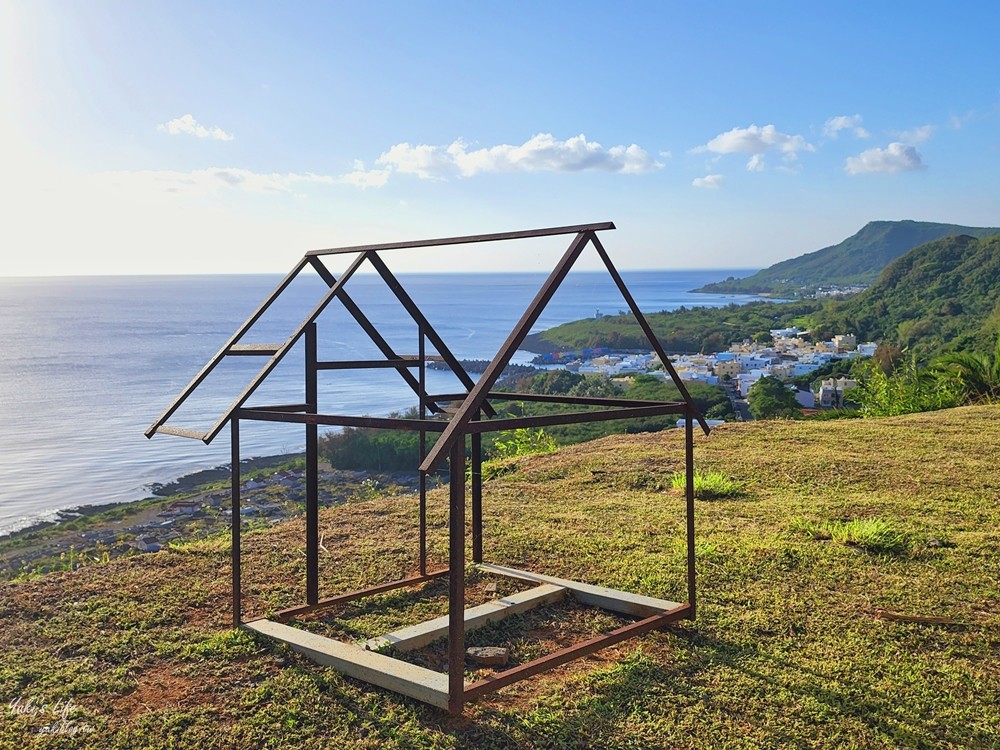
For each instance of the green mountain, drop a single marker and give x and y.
(942, 296)
(858, 260)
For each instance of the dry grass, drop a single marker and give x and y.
(786, 652)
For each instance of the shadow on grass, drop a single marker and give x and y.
(618, 705)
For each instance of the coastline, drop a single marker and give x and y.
(191, 507)
(158, 491)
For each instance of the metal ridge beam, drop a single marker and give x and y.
(469, 239)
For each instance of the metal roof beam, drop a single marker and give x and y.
(469, 239)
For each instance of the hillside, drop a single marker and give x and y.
(791, 647)
(695, 329)
(940, 297)
(857, 260)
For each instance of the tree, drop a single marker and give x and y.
(888, 357)
(908, 389)
(769, 398)
(596, 385)
(977, 376)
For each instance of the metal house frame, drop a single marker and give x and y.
(473, 417)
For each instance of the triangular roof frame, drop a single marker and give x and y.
(475, 399)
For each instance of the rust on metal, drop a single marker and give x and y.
(516, 674)
(283, 615)
(469, 239)
(458, 420)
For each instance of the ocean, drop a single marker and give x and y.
(89, 362)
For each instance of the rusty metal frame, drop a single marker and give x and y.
(474, 416)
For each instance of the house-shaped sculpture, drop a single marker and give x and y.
(438, 416)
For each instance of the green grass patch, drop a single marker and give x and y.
(875, 535)
(708, 485)
(227, 645)
(220, 543)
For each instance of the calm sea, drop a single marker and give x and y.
(89, 362)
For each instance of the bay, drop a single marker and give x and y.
(90, 362)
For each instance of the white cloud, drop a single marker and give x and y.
(709, 181)
(211, 180)
(757, 141)
(187, 125)
(834, 125)
(427, 162)
(366, 178)
(896, 157)
(540, 153)
(917, 135)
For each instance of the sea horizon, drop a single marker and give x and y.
(364, 272)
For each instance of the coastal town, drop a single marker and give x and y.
(787, 355)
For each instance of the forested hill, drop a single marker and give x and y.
(857, 260)
(943, 296)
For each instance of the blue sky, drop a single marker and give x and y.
(183, 137)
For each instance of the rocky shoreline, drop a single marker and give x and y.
(192, 507)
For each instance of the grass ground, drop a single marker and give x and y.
(791, 647)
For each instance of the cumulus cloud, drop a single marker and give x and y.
(708, 182)
(896, 157)
(540, 153)
(426, 162)
(211, 180)
(834, 125)
(187, 125)
(917, 135)
(757, 141)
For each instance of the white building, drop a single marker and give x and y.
(745, 381)
(146, 543)
(831, 391)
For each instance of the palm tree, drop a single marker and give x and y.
(978, 375)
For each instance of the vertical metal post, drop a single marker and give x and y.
(477, 497)
(312, 470)
(235, 497)
(689, 417)
(422, 388)
(456, 580)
